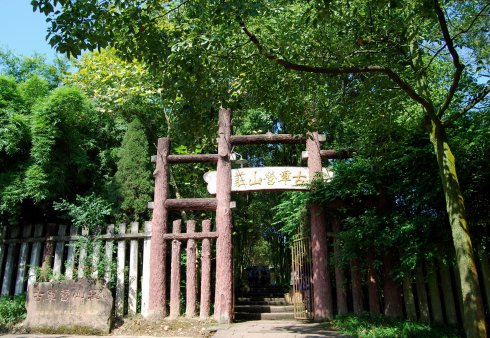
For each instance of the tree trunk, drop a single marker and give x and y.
(372, 286)
(340, 288)
(392, 298)
(422, 294)
(447, 291)
(473, 316)
(356, 287)
(485, 271)
(435, 298)
(409, 298)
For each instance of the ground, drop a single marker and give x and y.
(138, 326)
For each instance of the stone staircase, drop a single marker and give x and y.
(263, 303)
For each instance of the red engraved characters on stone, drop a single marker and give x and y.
(64, 295)
(51, 295)
(78, 293)
(93, 294)
(37, 295)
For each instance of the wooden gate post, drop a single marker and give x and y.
(322, 288)
(156, 304)
(223, 301)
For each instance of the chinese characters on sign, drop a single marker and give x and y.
(266, 178)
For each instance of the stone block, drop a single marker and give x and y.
(80, 304)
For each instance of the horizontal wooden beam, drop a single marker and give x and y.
(270, 138)
(189, 158)
(107, 237)
(195, 235)
(191, 204)
(331, 154)
(193, 158)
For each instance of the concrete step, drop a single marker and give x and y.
(264, 308)
(264, 316)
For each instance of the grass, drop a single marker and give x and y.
(12, 311)
(367, 326)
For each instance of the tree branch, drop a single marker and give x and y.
(464, 31)
(405, 86)
(473, 102)
(455, 56)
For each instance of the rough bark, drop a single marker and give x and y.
(435, 298)
(409, 298)
(447, 291)
(175, 272)
(322, 288)
(392, 298)
(191, 274)
(473, 315)
(156, 305)
(357, 298)
(205, 304)
(422, 294)
(372, 282)
(340, 287)
(223, 300)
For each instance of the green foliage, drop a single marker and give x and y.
(133, 177)
(12, 310)
(89, 211)
(22, 68)
(291, 212)
(367, 326)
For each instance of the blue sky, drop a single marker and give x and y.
(23, 31)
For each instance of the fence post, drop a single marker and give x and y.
(175, 272)
(58, 252)
(191, 277)
(145, 279)
(35, 255)
(133, 271)
(21, 270)
(322, 287)
(82, 257)
(96, 242)
(205, 304)
(9, 265)
(223, 300)
(156, 304)
(109, 245)
(121, 260)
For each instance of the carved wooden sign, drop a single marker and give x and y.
(266, 178)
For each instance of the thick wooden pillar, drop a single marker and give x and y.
(223, 302)
(191, 274)
(156, 304)
(205, 304)
(322, 287)
(175, 272)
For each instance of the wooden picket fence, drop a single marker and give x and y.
(48, 253)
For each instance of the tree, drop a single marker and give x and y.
(430, 52)
(133, 177)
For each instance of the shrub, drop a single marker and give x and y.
(12, 310)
